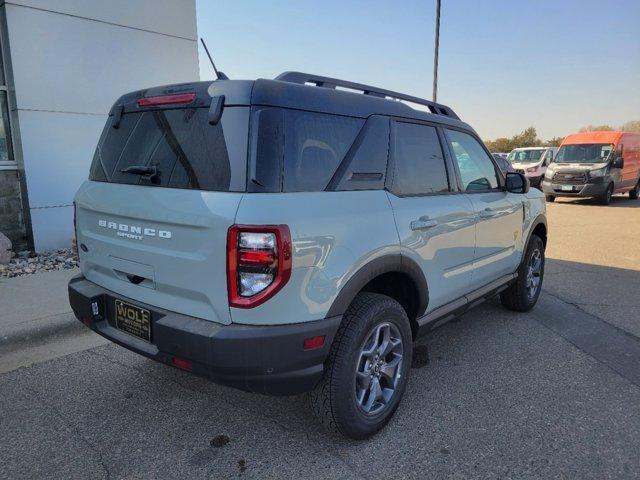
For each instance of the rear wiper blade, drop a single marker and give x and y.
(141, 170)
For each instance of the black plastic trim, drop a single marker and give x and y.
(264, 359)
(445, 313)
(541, 219)
(381, 265)
(332, 83)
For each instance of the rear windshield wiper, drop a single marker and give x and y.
(141, 170)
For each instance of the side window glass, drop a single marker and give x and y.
(476, 167)
(419, 163)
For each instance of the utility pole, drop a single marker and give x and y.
(435, 53)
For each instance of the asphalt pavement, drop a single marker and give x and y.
(554, 393)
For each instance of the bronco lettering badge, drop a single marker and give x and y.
(134, 232)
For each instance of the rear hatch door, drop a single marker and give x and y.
(164, 188)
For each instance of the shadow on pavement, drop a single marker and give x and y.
(617, 201)
(609, 293)
(503, 395)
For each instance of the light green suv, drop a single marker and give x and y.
(297, 235)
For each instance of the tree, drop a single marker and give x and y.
(527, 138)
(597, 128)
(631, 126)
(554, 142)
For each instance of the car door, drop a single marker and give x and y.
(499, 214)
(435, 223)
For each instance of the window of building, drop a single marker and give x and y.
(6, 145)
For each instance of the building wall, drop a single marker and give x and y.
(70, 59)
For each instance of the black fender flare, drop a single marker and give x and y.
(378, 266)
(541, 219)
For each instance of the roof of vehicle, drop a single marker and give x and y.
(317, 94)
(307, 92)
(593, 137)
(521, 149)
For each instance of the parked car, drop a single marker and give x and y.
(284, 236)
(503, 163)
(595, 164)
(532, 161)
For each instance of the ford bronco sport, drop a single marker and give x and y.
(296, 235)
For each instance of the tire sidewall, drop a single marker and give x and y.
(359, 424)
(535, 242)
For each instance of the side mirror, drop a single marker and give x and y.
(516, 182)
(618, 163)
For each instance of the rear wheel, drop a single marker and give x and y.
(635, 193)
(367, 369)
(523, 294)
(550, 198)
(605, 198)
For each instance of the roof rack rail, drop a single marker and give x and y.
(328, 82)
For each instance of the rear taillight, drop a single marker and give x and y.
(167, 100)
(258, 263)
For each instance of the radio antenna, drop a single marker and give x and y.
(219, 74)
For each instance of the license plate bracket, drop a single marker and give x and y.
(133, 320)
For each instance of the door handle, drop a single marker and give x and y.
(488, 213)
(423, 223)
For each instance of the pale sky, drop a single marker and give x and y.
(504, 65)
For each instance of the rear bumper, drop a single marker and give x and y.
(262, 359)
(594, 188)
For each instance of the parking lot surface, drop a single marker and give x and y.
(554, 393)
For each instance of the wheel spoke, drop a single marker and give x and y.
(388, 370)
(389, 346)
(364, 380)
(375, 393)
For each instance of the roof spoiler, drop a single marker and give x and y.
(333, 83)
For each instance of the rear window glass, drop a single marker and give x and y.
(296, 151)
(185, 151)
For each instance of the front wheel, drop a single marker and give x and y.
(605, 198)
(523, 294)
(635, 193)
(367, 369)
(550, 198)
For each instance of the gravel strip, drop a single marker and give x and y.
(27, 263)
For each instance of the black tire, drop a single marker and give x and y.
(518, 296)
(605, 198)
(550, 198)
(635, 193)
(334, 400)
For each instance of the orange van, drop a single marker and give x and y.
(595, 164)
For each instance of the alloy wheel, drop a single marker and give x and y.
(379, 368)
(534, 272)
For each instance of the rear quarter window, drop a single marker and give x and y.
(298, 151)
(315, 144)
